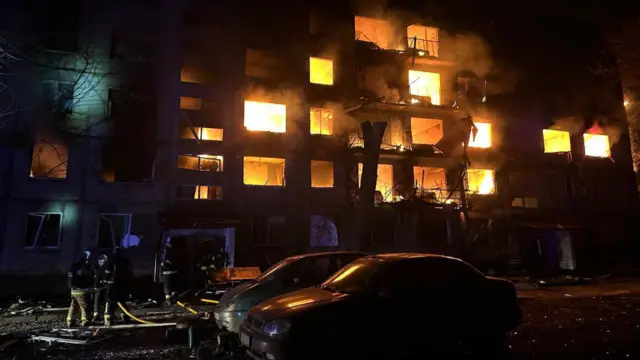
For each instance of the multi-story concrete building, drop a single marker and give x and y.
(237, 126)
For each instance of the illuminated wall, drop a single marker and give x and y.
(426, 131)
(321, 174)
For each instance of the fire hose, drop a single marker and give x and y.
(124, 310)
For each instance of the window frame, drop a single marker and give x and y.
(42, 215)
(105, 215)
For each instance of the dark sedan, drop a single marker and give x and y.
(384, 306)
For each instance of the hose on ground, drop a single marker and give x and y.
(187, 308)
(209, 301)
(124, 310)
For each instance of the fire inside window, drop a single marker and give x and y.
(321, 121)
(481, 181)
(321, 174)
(384, 184)
(49, 159)
(205, 192)
(261, 171)
(426, 131)
(430, 181)
(425, 84)
(379, 32)
(596, 145)
(200, 162)
(556, 141)
(423, 38)
(190, 103)
(483, 136)
(262, 116)
(203, 133)
(320, 71)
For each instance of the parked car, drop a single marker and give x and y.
(384, 306)
(290, 274)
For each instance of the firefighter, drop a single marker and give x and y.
(103, 273)
(81, 279)
(170, 275)
(221, 259)
(205, 268)
(117, 290)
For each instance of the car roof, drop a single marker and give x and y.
(405, 256)
(328, 253)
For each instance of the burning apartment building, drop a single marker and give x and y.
(239, 127)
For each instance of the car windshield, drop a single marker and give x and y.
(266, 276)
(353, 278)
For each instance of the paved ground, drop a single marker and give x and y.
(575, 322)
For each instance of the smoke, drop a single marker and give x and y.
(471, 52)
(574, 124)
(613, 129)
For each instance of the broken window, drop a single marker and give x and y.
(481, 181)
(320, 71)
(384, 183)
(112, 229)
(203, 133)
(43, 230)
(199, 192)
(393, 137)
(262, 171)
(193, 65)
(49, 159)
(190, 103)
(483, 137)
(424, 38)
(321, 121)
(596, 145)
(262, 64)
(200, 162)
(263, 116)
(129, 152)
(424, 84)
(58, 96)
(525, 202)
(379, 32)
(426, 131)
(270, 230)
(321, 174)
(323, 231)
(430, 182)
(556, 141)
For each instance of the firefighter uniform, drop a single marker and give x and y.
(81, 279)
(100, 286)
(117, 286)
(170, 276)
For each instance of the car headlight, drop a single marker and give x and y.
(277, 327)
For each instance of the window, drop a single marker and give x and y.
(321, 121)
(426, 131)
(49, 159)
(430, 181)
(269, 230)
(384, 183)
(58, 96)
(263, 116)
(200, 162)
(262, 64)
(202, 133)
(596, 145)
(377, 31)
(481, 181)
(263, 171)
(320, 71)
(199, 192)
(112, 229)
(424, 38)
(321, 174)
(190, 103)
(525, 202)
(483, 136)
(323, 231)
(556, 141)
(193, 65)
(43, 230)
(425, 84)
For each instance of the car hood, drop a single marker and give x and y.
(289, 304)
(231, 295)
